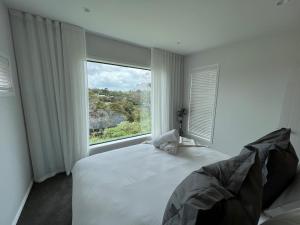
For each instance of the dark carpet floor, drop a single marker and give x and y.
(49, 203)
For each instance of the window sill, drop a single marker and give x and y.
(112, 145)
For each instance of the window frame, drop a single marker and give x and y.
(122, 139)
(199, 69)
(117, 64)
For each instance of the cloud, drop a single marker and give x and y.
(116, 77)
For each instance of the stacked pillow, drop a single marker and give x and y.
(168, 141)
(227, 192)
(234, 191)
(288, 200)
(279, 163)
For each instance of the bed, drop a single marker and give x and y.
(131, 186)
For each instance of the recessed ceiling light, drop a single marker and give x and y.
(87, 10)
(282, 2)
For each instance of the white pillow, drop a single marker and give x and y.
(171, 136)
(169, 147)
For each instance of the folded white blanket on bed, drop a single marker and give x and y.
(168, 141)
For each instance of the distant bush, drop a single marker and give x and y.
(123, 129)
(106, 109)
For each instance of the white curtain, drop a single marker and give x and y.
(167, 84)
(50, 59)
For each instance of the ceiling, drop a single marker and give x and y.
(182, 26)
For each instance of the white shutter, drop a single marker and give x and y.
(203, 96)
(5, 81)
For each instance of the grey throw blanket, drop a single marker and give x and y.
(225, 193)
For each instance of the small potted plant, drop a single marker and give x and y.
(180, 115)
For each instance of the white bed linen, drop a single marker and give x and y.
(131, 186)
(263, 218)
(291, 217)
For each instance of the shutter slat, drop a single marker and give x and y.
(5, 82)
(203, 102)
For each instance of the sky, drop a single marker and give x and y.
(116, 78)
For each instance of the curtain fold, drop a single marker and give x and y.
(167, 85)
(50, 59)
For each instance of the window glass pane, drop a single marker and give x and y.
(119, 102)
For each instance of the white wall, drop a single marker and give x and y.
(290, 114)
(252, 83)
(15, 169)
(115, 51)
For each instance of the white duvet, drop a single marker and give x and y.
(131, 186)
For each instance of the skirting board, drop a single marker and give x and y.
(15, 221)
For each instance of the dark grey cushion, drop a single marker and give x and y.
(223, 193)
(288, 200)
(279, 163)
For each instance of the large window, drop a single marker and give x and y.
(119, 102)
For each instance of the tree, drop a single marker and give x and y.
(115, 114)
